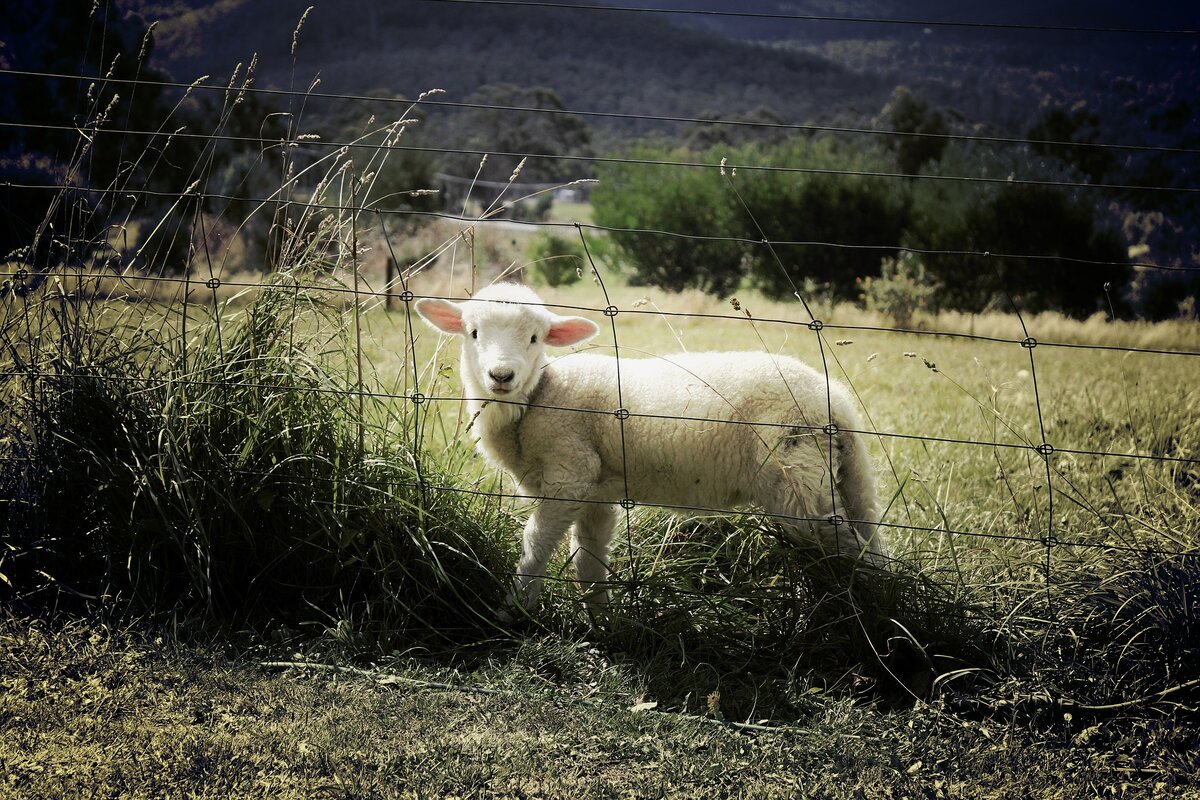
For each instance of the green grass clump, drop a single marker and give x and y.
(233, 472)
(555, 260)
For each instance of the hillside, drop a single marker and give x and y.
(612, 62)
(821, 20)
(1141, 87)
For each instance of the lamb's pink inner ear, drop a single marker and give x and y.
(567, 331)
(441, 314)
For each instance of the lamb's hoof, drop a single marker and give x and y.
(596, 605)
(513, 614)
(598, 617)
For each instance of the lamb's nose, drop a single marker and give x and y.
(501, 374)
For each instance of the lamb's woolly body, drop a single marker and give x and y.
(704, 430)
(687, 439)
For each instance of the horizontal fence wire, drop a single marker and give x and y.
(15, 299)
(782, 17)
(607, 229)
(200, 284)
(588, 159)
(430, 101)
(696, 511)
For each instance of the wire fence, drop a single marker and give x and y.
(1068, 492)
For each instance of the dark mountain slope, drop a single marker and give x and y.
(616, 62)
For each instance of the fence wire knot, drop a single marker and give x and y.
(1029, 342)
(213, 283)
(21, 275)
(610, 311)
(816, 325)
(627, 504)
(621, 414)
(1044, 449)
(417, 398)
(1050, 540)
(406, 296)
(830, 429)
(836, 520)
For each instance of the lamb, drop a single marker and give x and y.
(693, 430)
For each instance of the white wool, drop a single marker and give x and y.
(692, 430)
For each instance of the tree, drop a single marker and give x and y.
(845, 225)
(759, 126)
(1055, 132)
(690, 210)
(825, 225)
(1046, 251)
(911, 115)
(845, 222)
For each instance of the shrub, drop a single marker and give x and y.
(902, 288)
(1039, 246)
(554, 260)
(693, 203)
(837, 224)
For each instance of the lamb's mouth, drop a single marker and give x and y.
(500, 389)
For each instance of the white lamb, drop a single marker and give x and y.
(702, 430)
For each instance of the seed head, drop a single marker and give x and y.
(299, 25)
(516, 171)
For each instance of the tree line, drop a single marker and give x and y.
(1025, 231)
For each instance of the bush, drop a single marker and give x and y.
(841, 223)
(554, 260)
(694, 204)
(1051, 254)
(902, 288)
(714, 219)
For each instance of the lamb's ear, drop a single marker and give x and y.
(441, 314)
(566, 331)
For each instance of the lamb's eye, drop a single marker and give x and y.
(533, 339)
(475, 334)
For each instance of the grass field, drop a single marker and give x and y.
(287, 568)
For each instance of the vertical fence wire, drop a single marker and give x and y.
(622, 414)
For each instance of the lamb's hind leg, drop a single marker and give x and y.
(589, 550)
(797, 489)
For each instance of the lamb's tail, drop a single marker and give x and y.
(857, 487)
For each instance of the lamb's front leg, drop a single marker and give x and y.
(544, 530)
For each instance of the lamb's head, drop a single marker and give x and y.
(505, 330)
